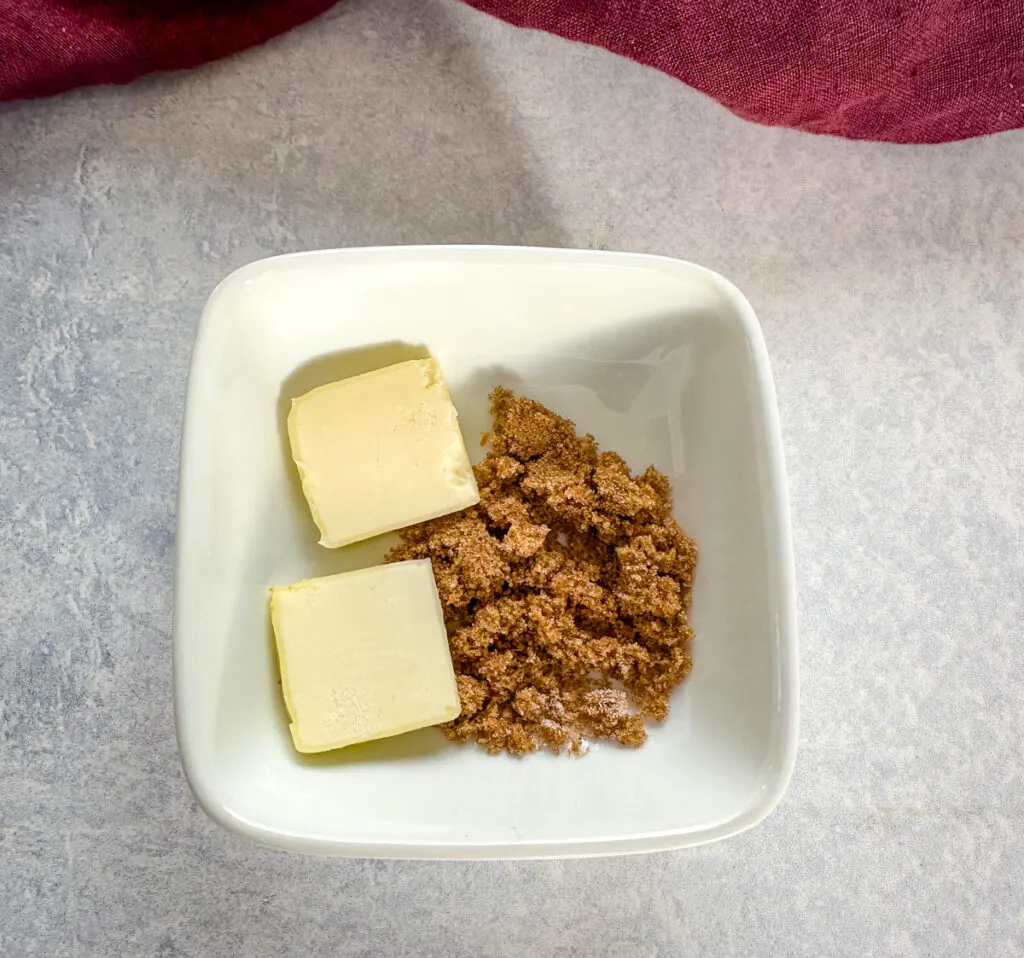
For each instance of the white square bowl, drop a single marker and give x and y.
(664, 362)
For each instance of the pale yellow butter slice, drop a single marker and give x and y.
(380, 451)
(363, 655)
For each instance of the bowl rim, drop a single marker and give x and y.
(778, 530)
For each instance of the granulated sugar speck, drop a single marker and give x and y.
(565, 591)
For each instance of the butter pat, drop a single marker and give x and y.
(380, 451)
(363, 655)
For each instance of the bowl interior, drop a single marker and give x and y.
(657, 363)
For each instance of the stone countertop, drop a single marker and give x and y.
(890, 283)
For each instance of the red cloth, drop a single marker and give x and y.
(910, 71)
(48, 46)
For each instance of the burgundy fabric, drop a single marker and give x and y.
(910, 71)
(48, 46)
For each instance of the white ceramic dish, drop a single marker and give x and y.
(662, 361)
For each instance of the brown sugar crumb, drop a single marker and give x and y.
(565, 591)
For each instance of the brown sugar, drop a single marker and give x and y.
(565, 591)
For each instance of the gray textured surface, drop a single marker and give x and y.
(890, 282)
